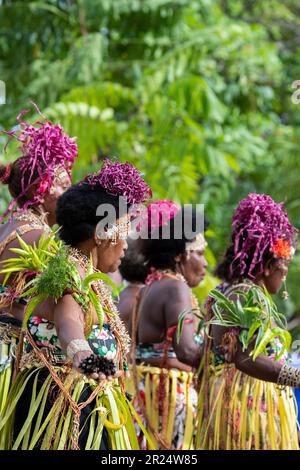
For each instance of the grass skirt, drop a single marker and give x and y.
(245, 413)
(38, 415)
(166, 404)
(9, 334)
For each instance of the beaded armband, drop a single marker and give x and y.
(289, 376)
(77, 345)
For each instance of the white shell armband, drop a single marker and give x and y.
(77, 345)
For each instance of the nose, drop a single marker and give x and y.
(205, 263)
(125, 245)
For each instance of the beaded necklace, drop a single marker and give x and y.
(104, 294)
(159, 274)
(34, 218)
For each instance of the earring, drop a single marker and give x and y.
(98, 241)
(52, 190)
(285, 294)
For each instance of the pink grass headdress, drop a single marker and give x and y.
(156, 214)
(45, 147)
(260, 225)
(121, 179)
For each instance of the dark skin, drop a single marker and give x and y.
(47, 206)
(68, 316)
(161, 305)
(127, 301)
(263, 367)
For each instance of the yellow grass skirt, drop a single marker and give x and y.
(51, 422)
(166, 402)
(8, 350)
(245, 413)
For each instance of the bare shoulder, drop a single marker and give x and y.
(233, 291)
(31, 237)
(68, 307)
(176, 289)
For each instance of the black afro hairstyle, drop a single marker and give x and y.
(76, 211)
(132, 267)
(160, 252)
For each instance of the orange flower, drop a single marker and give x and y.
(282, 248)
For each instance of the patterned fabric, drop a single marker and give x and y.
(102, 342)
(170, 400)
(152, 350)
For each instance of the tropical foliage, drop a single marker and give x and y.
(256, 317)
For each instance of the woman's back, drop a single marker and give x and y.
(153, 322)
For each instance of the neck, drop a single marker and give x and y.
(51, 219)
(135, 284)
(87, 248)
(258, 281)
(40, 211)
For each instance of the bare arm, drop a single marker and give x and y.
(69, 324)
(179, 300)
(262, 368)
(68, 320)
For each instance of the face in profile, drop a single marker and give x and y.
(193, 266)
(61, 183)
(111, 253)
(275, 274)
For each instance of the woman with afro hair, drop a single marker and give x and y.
(69, 391)
(35, 181)
(166, 350)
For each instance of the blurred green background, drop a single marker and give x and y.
(196, 93)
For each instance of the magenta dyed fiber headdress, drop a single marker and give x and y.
(121, 179)
(259, 225)
(157, 214)
(44, 147)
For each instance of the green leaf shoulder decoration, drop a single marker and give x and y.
(197, 312)
(256, 315)
(31, 260)
(55, 274)
(61, 276)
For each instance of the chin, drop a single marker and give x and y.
(114, 268)
(273, 290)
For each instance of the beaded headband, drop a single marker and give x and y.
(198, 244)
(118, 231)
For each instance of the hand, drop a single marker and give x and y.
(81, 356)
(101, 376)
